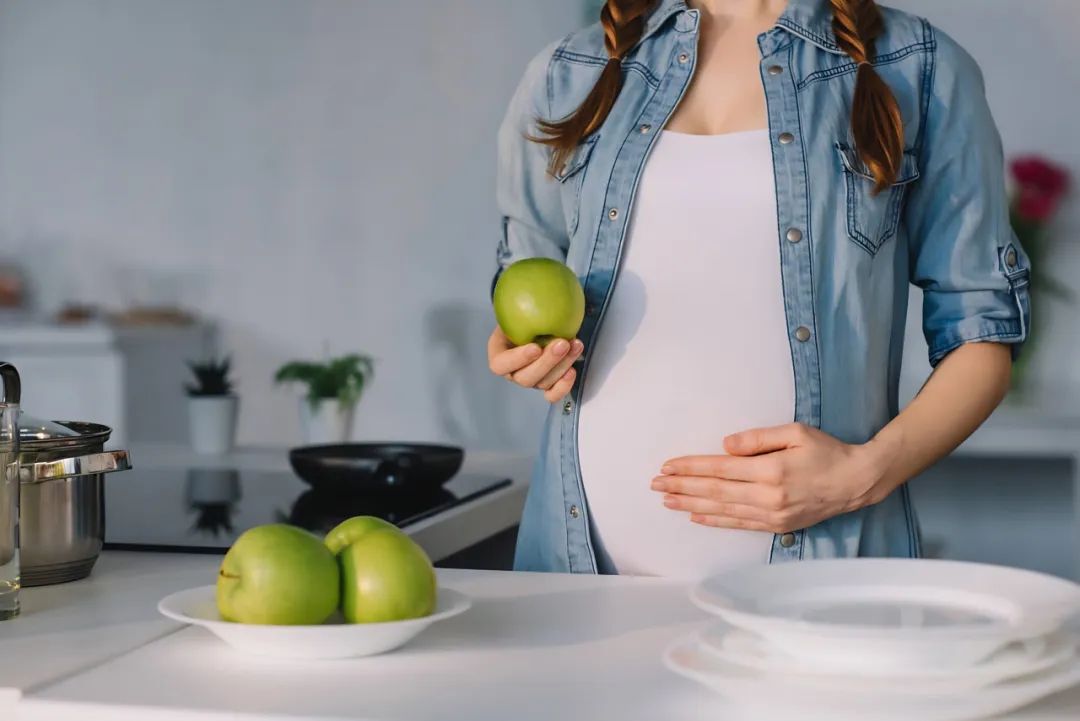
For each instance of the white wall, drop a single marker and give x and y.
(315, 174)
(319, 173)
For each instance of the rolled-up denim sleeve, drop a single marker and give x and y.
(529, 201)
(964, 254)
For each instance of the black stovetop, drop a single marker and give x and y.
(205, 510)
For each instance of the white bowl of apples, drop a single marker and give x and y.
(285, 593)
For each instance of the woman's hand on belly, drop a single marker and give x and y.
(550, 369)
(775, 479)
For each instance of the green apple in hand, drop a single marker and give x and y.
(385, 576)
(538, 300)
(278, 575)
(352, 529)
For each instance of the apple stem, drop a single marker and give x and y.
(227, 575)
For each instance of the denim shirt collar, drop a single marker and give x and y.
(810, 20)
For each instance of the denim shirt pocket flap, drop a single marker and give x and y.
(1017, 274)
(578, 159)
(873, 218)
(909, 166)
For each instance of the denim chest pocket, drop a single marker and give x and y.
(571, 177)
(873, 219)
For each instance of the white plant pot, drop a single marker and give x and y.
(327, 422)
(213, 423)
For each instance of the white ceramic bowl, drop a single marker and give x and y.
(754, 694)
(745, 650)
(893, 614)
(198, 607)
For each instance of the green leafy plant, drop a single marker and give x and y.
(342, 378)
(211, 377)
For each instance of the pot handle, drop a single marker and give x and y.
(10, 388)
(106, 462)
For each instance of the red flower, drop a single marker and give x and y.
(1041, 185)
(1035, 206)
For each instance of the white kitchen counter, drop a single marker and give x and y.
(1020, 432)
(68, 628)
(534, 646)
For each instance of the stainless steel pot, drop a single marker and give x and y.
(61, 497)
(62, 465)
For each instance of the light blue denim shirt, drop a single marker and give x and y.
(846, 255)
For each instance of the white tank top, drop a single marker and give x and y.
(693, 347)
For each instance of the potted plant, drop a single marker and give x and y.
(333, 390)
(212, 407)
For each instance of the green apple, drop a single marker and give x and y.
(352, 529)
(278, 575)
(537, 300)
(385, 576)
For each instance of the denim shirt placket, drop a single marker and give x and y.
(796, 243)
(603, 265)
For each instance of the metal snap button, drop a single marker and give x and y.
(613, 214)
(775, 70)
(684, 58)
(787, 540)
(786, 138)
(794, 235)
(1010, 259)
(645, 129)
(574, 512)
(802, 334)
(567, 407)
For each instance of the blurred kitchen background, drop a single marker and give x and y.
(290, 179)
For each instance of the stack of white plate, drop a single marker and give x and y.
(883, 639)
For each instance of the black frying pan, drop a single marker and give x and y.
(372, 467)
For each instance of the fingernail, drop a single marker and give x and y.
(667, 470)
(657, 484)
(578, 346)
(669, 501)
(560, 347)
(695, 518)
(534, 351)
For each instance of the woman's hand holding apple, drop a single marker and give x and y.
(550, 369)
(539, 307)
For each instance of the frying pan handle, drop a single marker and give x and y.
(396, 471)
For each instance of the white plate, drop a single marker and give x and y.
(770, 695)
(1022, 658)
(198, 607)
(888, 613)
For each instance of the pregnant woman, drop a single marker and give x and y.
(745, 189)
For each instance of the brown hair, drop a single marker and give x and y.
(876, 124)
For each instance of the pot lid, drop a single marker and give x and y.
(34, 429)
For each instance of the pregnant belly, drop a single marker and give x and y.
(646, 401)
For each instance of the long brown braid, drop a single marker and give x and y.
(623, 22)
(876, 125)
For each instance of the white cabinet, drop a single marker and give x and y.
(68, 372)
(129, 378)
